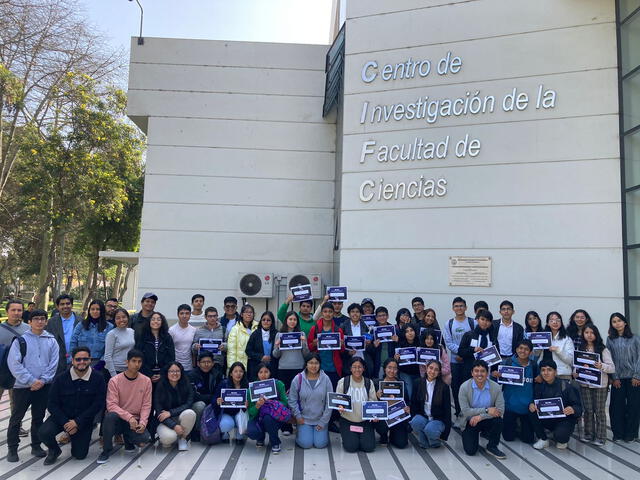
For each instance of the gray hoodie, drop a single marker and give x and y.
(310, 402)
(40, 362)
(291, 359)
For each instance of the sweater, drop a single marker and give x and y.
(116, 347)
(626, 357)
(310, 402)
(465, 397)
(40, 362)
(282, 396)
(205, 332)
(358, 395)
(7, 336)
(130, 398)
(291, 359)
(78, 400)
(453, 333)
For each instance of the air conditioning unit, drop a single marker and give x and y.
(313, 279)
(255, 285)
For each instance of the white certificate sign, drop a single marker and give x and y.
(337, 400)
(263, 388)
(369, 320)
(396, 413)
(407, 355)
(384, 333)
(337, 294)
(391, 390)
(585, 359)
(588, 376)
(540, 340)
(511, 375)
(354, 342)
(329, 341)
(301, 293)
(550, 408)
(233, 397)
(489, 355)
(470, 271)
(291, 341)
(425, 355)
(211, 344)
(375, 410)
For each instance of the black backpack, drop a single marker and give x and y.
(347, 383)
(7, 380)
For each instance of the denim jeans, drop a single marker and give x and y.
(309, 437)
(258, 428)
(429, 431)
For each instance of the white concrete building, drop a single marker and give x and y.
(520, 99)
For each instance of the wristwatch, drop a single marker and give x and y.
(486, 410)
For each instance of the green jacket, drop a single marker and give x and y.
(305, 325)
(282, 396)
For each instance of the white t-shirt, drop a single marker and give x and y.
(505, 339)
(197, 320)
(182, 340)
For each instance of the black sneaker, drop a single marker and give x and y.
(496, 453)
(334, 428)
(52, 456)
(12, 456)
(23, 433)
(37, 451)
(130, 448)
(103, 458)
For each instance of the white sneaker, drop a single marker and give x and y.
(561, 446)
(540, 444)
(183, 445)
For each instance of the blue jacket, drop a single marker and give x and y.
(40, 362)
(517, 398)
(90, 338)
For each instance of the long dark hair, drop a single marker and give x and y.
(572, 328)
(613, 333)
(244, 383)
(182, 387)
(284, 328)
(146, 326)
(402, 311)
(403, 342)
(437, 392)
(562, 332)
(598, 344)
(102, 319)
(526, 321)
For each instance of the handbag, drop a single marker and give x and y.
(242, 420)
(277, 410)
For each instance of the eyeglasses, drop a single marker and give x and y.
(174, 372)
(215, 315)
(38, 319)
(82, 359)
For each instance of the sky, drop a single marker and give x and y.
(287, 21)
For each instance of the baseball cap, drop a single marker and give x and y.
(367, 300)
(150, 295)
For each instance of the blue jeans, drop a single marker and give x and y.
(429, 431)
(227, 423)
(309, 437)
(256, 429)
(408, 383)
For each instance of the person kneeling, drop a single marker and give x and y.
(172, 403)
(128, 408)
(482, 407)
(357, 434)
(554, 387)
(75, 398)
(268, 415)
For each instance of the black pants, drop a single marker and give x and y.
(562, 428)
(79, 441)
(457, 378)
(471, 435)
(398, 435)
(624, 410)
(23, 398)
(113, 425)
(354, 441)
(510, 424)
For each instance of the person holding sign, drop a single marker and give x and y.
(403, 317)
(305, 317)
(411, 372)
(562, 423)
(398, 435)
(578, 320)
(482, 407)
(624, 408)
(429, 341)
(292, 354)
(338, 317)
(308, 403)
(357, 435)
(481, 337)
(211, 329)
(239, 336)
(330, 360)
(356, 328)
(260, 345)
(267, 416)
(232, 417)
(533, 324)
(518, 397)
(431, 407)
(378, 350)
(561, 350)
(594, 397)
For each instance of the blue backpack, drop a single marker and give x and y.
(7, 380)
(210, 427)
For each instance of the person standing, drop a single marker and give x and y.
(26, 314)
(34, 370)
(260, 345)
(453, 333)
(508, 332)
(355, 327)
(75, 398)
(330, 360)
(624, 408)
(306, 319)
(156, 346)
(111, 306)
(239, 336)
(141, 318)
(197, 314)
(380, 351)
(128, 408)
(481, 337)
(182, 334)
(211, 329)
(561, 350)
(290, 362)
(118, 342)
(417, 303)
(61, 326)
(231, 315)
(92, 331)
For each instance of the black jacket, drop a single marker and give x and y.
(440, 404)
(375, 353)
(197, 378)
(165, 354)
(136, 322)
(227, 383)
(518, 333)
(466, 351)
(346, 360)
(560, 388)
(173, 400)
(255, 352)
(77, 400)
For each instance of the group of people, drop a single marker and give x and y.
(142, 380)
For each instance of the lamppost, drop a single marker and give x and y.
(140, 37)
